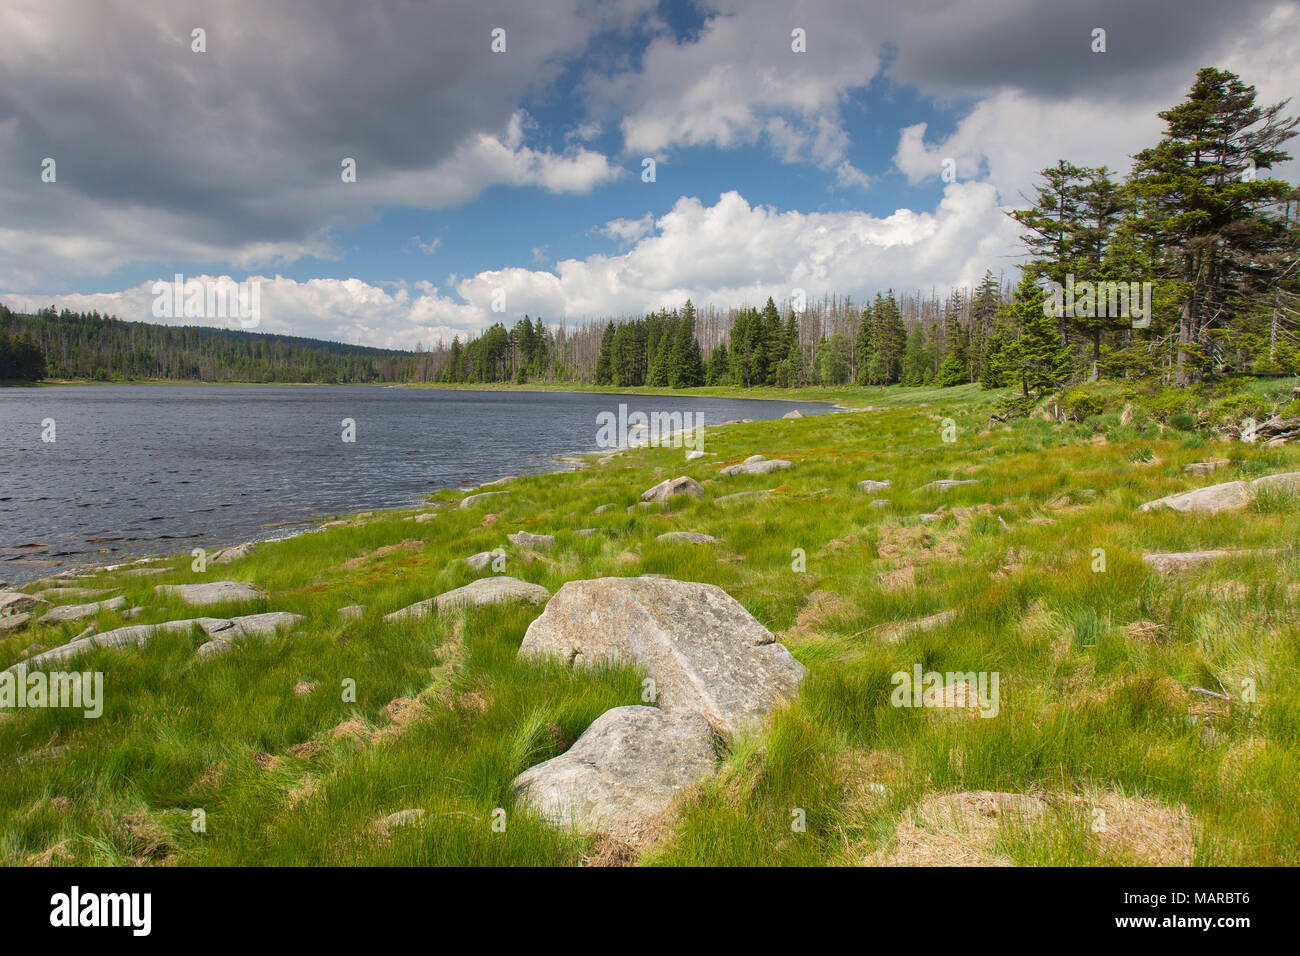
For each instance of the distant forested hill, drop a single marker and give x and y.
(87, 345)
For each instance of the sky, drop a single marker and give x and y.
(795, 146)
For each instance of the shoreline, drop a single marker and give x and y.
(567, 461)
(817, 394)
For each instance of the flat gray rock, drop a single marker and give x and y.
(16, 602)
(59, 593)
(621, 773)
(701, 648)
(66, 613)
(756, 465)
(1205, 467)
(263, 625)
(494, 590)
(212, 592)
(881, 503)
(673, 486)
(352, 612)
(224, 630)
(944, 484)
(482, 560)
(213, 648)
(794, 413)
(1230, 496)
(872, 485)
(1175, 561)
(687, 537)
(525, 539)
(1286, 481)
(603, 508)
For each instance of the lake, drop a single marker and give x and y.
(143, 469)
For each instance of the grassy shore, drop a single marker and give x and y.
(1103, 729)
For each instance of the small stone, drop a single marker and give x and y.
(687, 537)
(525, 539)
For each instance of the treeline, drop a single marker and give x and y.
(90, 346)
(21, 359)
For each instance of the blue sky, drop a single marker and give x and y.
(519, 173)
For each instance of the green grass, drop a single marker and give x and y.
(1095, 667)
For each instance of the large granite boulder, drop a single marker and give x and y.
(622, 772)
(701, 648)
(494, 590)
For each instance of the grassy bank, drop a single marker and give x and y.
(1102, 672)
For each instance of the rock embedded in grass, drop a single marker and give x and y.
(230, 555)
(687, 537)
(482, 560)
(870, 484)
(623, 771)
(402, 818)
(793, 413)
(352, 612)
(484, 591)
(231, 630)
(756, 465)
(896, 632)
(1175, 561)
(213, 648)
(16, 602)
(671, 487)
(603, 508)
(946, 484)
(14, 622)
(472, 500)
(212, 592)
(693, 455)
(58, 593)
(66, 613)
(1205, 467)
(1229, 496)
(881, 503)
(701, 648)
(743, 494)
(525, 539)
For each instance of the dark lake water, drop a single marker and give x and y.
(139, 469)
